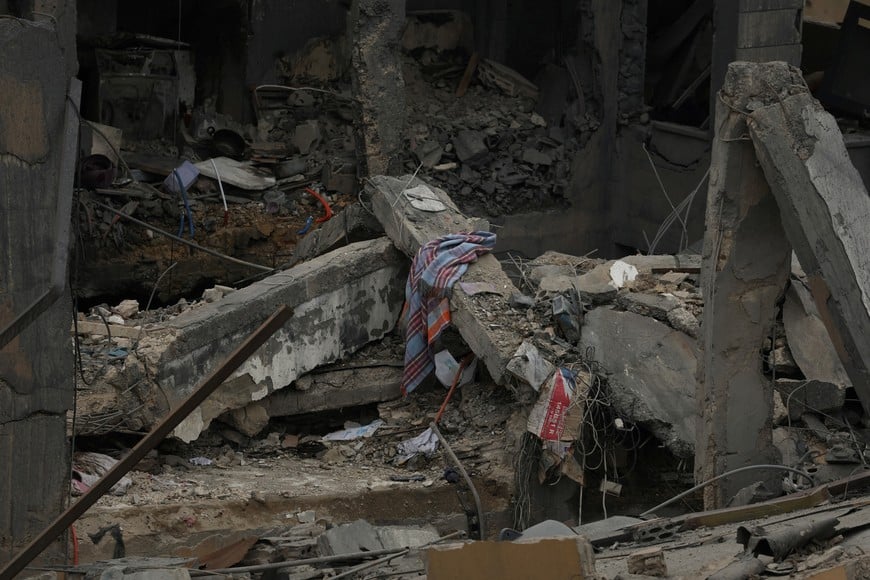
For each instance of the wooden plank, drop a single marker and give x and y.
(768, 28)
(783, 505)
(825, 210)
(467, 75)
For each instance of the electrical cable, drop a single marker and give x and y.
(680, 496)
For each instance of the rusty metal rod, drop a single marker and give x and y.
(465, 476)
(149, 442)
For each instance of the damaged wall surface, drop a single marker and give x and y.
(341, 300)
(36, 368)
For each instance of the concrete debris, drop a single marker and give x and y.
(651, 372)
(342, 301)
(808, 340)
(474, 316)
(649, 562)
(803, 155)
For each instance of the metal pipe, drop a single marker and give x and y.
(465, 476)
(149, 442)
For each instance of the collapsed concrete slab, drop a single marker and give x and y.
(650, 368)
(825, 209)
(483, 320)
(341, 301)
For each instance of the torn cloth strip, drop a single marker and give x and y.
(436, 267)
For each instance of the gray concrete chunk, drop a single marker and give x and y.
(349, 538)
(596, 286)
(469, 146)
(341, 301)
(655, 305)
(651, 372)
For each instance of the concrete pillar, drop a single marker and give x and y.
(744, 270)
(754, 31)
(379, 87)
(36, 368)
(824, 206)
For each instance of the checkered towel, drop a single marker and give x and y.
(436, 267)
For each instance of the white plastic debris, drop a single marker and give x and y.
(363, 431)
(201, 461)
(622, 272)
(426, 443)
(446, 368)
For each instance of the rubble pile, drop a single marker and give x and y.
(492, 150)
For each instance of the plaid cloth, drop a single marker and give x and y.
(436, 267)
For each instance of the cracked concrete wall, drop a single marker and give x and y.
(36, 368)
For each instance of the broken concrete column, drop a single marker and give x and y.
(341, 301)
(36, 367)
(376, 29)
(825, 209)
(483, 320)
(744, 269)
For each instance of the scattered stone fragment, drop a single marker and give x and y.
(306, 135)
(783, 362)
(651, 372)
(655, 305)
(115, 319)
(674, 277)
(127, 308)
(470, 146)
(648, 561)
(520, 300)
(597, 286)
(536, 157)
(212, 295)
(683, 320)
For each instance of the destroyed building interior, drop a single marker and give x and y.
(297, 289)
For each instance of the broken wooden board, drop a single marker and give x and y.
(241, 174)
(483, 320)
(825, 210)
(783, 505)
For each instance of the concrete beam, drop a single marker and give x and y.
(744, 269)
(483, 320)
(825, 209)
(375, 30)
(341, 301)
